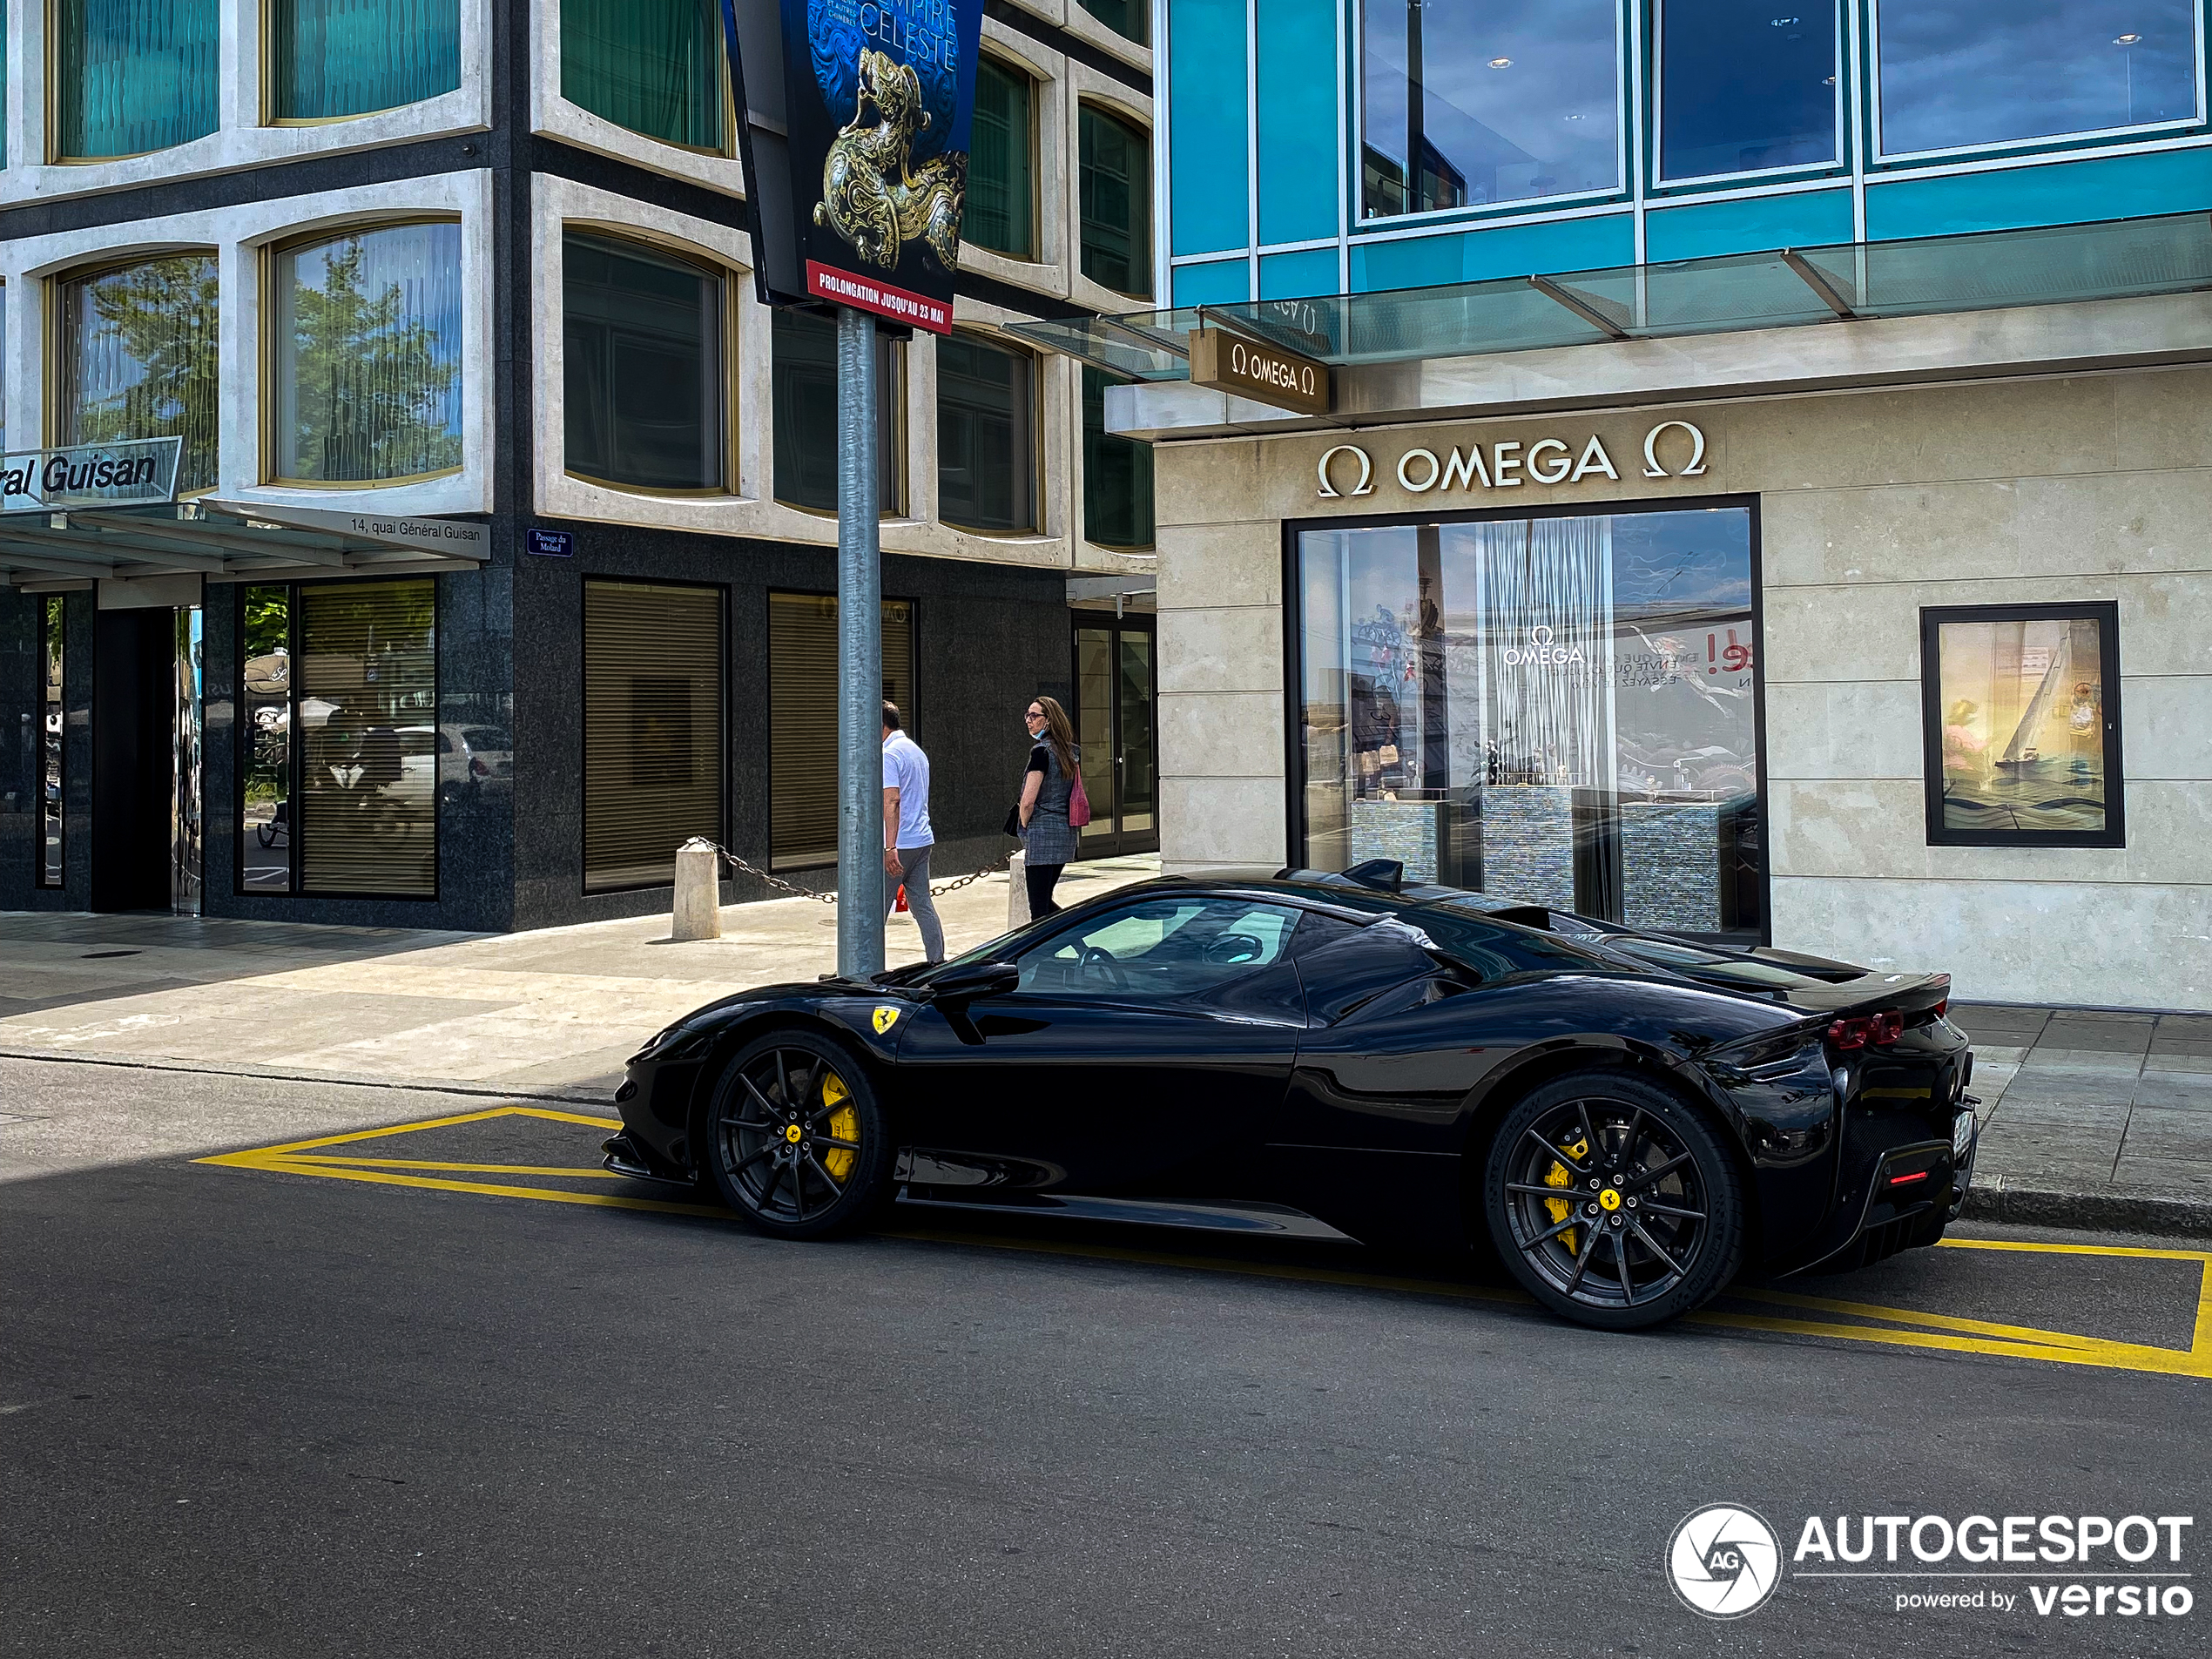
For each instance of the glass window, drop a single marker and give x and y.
(654, 66)
(652, 729)
(367, 717)
(643, 377)
(986, 461)
(2022, 708)
(138, 360)
(802, 718)
(329, 58)
(1160, 950)
(806, 397)
(1511, 101)
(265, 842)
(1117, 474)
(1126, 18)
(132, 76)
(1000, 213)
(52, 619)
(1953, 74)
(1117, 202)
(1557, 711)
(1743, 87)
(367, 331)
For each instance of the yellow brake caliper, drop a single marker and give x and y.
(844, 1123)
(1558, 1175)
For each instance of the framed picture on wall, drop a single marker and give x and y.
(2020, 706)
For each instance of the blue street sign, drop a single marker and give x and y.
(551, 544)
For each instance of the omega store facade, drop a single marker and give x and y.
(1883, 639)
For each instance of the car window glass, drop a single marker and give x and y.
(1161, 949)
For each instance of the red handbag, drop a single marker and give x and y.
(1078, 804)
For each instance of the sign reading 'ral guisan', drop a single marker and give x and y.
(854, 117)
(130, 474)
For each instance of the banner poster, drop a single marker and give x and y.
(879, 95)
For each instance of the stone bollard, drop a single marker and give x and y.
(699, 891)
(1017, 893)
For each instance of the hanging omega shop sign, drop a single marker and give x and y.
(853, 128)
(1671, 449)
(1264, 372)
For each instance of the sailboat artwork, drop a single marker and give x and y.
(2021, 751)
(2023, 725)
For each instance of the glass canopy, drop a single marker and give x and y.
(2111, 258)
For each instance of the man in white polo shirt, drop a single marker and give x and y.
(907, 835)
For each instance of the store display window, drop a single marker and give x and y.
(1562, 710)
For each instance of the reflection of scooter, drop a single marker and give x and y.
(280, 823)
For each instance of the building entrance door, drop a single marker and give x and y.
(1116, 688)
(146, 806)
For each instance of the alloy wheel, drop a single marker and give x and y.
(1606, 1203)
(788, 1135)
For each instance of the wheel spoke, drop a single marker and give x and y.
(835, 1185)
(1651, 1178)
(775, 1179)
(783, 1079)
(743, 1164)
(1551, 1232)
(1651, 1207)
(832, 1140)
(1620, 1260)
(811, 1080)
(1565, 1193)
(1652, 1244)
(1583, 1259)
(1589, 1135)
(1629, 1135)
(798, 1188)
(753, 1090)
(1574, 1168)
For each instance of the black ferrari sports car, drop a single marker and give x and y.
(1630, 1118)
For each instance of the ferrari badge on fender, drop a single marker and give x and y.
(885, 1019)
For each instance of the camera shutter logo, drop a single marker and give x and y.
(1724, 1562)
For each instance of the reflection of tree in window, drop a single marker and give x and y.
(141, 359)
(373, 363)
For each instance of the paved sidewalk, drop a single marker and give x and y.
(2091, 1119)
(556, 1011)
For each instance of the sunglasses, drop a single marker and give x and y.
(1034, 714)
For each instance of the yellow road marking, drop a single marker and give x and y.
(341, 1172)
(593, 1172)
(1942, 1332)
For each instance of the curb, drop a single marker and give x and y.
(2123, 1212)
(557, 1094)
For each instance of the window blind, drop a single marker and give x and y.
(368, 717)
(653, 728)
(802, 718)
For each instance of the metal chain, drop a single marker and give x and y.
(935, 888)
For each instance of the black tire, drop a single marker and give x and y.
(1657, 1228)
(795, 1140)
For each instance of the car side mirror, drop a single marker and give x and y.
(972, 980)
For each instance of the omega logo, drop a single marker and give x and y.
(1506, 464)
(1540, 652)
(1248, 365)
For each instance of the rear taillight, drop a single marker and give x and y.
(1860, 1031)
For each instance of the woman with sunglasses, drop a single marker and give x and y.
(1048, 839)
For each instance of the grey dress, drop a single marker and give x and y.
(1051, 839)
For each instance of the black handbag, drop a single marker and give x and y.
(1013, 820)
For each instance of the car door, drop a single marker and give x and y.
(1143, 1044)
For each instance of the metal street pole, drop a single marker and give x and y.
(859, 655)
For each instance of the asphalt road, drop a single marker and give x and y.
(249, 1410)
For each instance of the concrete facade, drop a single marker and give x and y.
(1872, 504)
